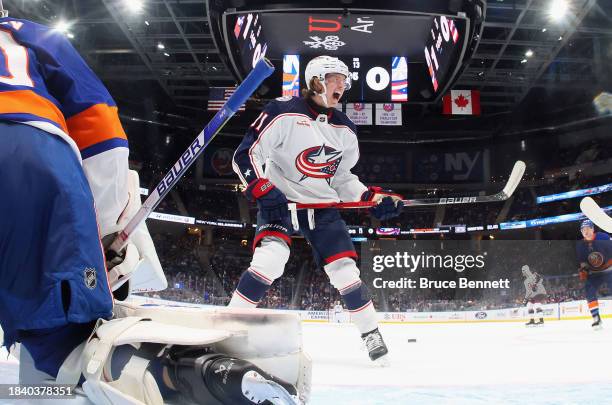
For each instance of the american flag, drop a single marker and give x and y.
(218, 96)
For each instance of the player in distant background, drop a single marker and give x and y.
(337, 310)
(65, 184)
(534, 295)
(303, 150)
(594, 254)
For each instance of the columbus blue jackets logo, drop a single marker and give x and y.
(319, 162)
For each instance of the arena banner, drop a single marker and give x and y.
(389, 114)
(359, 113)
(448, 167)
(218, 162)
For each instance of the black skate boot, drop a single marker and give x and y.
(530, 323)
(376, 346)
(597, 323)
(540, 322)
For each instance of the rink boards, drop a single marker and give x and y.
(570, 310)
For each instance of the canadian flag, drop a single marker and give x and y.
(466, 102)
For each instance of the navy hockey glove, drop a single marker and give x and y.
(271, 202)
(389, 206)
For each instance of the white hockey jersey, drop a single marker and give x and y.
(534, 285)
(306, 151)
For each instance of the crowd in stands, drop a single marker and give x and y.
(305, 286)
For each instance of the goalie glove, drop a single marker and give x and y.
(271, 202)
(389, 204)
(138, 262)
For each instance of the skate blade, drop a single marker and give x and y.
(382, 361)
(597, 328)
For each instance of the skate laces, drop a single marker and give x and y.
(373, 341)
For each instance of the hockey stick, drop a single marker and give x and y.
(596, 214)
(513, 181)
(260, 72)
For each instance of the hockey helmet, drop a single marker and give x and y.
(525, 270)
(587, 224)
(320, 66)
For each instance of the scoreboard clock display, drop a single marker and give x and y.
(393, 56)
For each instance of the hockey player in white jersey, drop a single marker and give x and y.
(534, 294)
(302, 150)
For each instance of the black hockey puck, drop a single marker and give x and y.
(411, 340)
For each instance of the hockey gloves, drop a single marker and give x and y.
(583, 274)
(390, 204)
(271, 202)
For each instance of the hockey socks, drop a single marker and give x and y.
(251, 289)
(594, 308)
(359, 304)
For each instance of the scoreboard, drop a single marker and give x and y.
(393, 55)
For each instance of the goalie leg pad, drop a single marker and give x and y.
(136, 385)
(269, 339)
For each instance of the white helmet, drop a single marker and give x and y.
(526, 271)
(323, 65)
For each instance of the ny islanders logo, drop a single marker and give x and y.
(596, 260)
(319, 162)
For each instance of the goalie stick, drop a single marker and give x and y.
(513, 181)
(260, 72)
(596, 214)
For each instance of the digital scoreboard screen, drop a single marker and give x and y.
(393, 57)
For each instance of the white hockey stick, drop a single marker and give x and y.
(596, 214)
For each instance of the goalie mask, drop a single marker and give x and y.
(321, 66)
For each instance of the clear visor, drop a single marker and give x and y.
(339, 79)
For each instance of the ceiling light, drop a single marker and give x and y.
(524, 61)
(160, 46)
(62, 26)
(543, 29)
(134, 6)
(147, 23)
(560, 38)
(557, 10)
(529, 53)
(166, 54)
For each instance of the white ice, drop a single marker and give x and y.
(562, 362)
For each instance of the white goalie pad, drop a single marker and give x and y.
(269, 339)
(135, 386)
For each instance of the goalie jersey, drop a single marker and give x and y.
(45, 83)
(305, 150)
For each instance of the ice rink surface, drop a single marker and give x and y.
(562, 362)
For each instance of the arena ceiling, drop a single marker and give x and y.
(523, 57)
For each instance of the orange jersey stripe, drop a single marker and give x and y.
(28, 102)
(96, 124)
(593, 304)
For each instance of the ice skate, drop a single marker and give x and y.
(540, 322)
(377, 349)
(259, 389)
(530, 323)
(597, 324)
